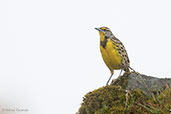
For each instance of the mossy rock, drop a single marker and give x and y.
(99, 101)
(117, 99)
(111, 100)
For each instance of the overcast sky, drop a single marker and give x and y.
(49, 49)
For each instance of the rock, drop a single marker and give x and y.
(147, 84)
(131, 93)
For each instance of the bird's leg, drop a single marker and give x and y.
(110, 77)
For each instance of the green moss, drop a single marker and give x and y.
(101, 100)
(110, 100)
(162, 104)
(136, 101)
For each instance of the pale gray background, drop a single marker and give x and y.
(49, 49)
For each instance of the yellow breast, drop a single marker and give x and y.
(111, 55)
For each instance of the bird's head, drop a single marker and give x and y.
(104, 32)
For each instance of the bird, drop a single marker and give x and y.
(113, 52)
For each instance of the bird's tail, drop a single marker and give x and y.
(135, 71)
(131, 69)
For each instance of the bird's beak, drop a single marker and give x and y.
(99, 29)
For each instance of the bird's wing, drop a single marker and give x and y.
(122, 51)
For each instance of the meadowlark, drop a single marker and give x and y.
(113, 52)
